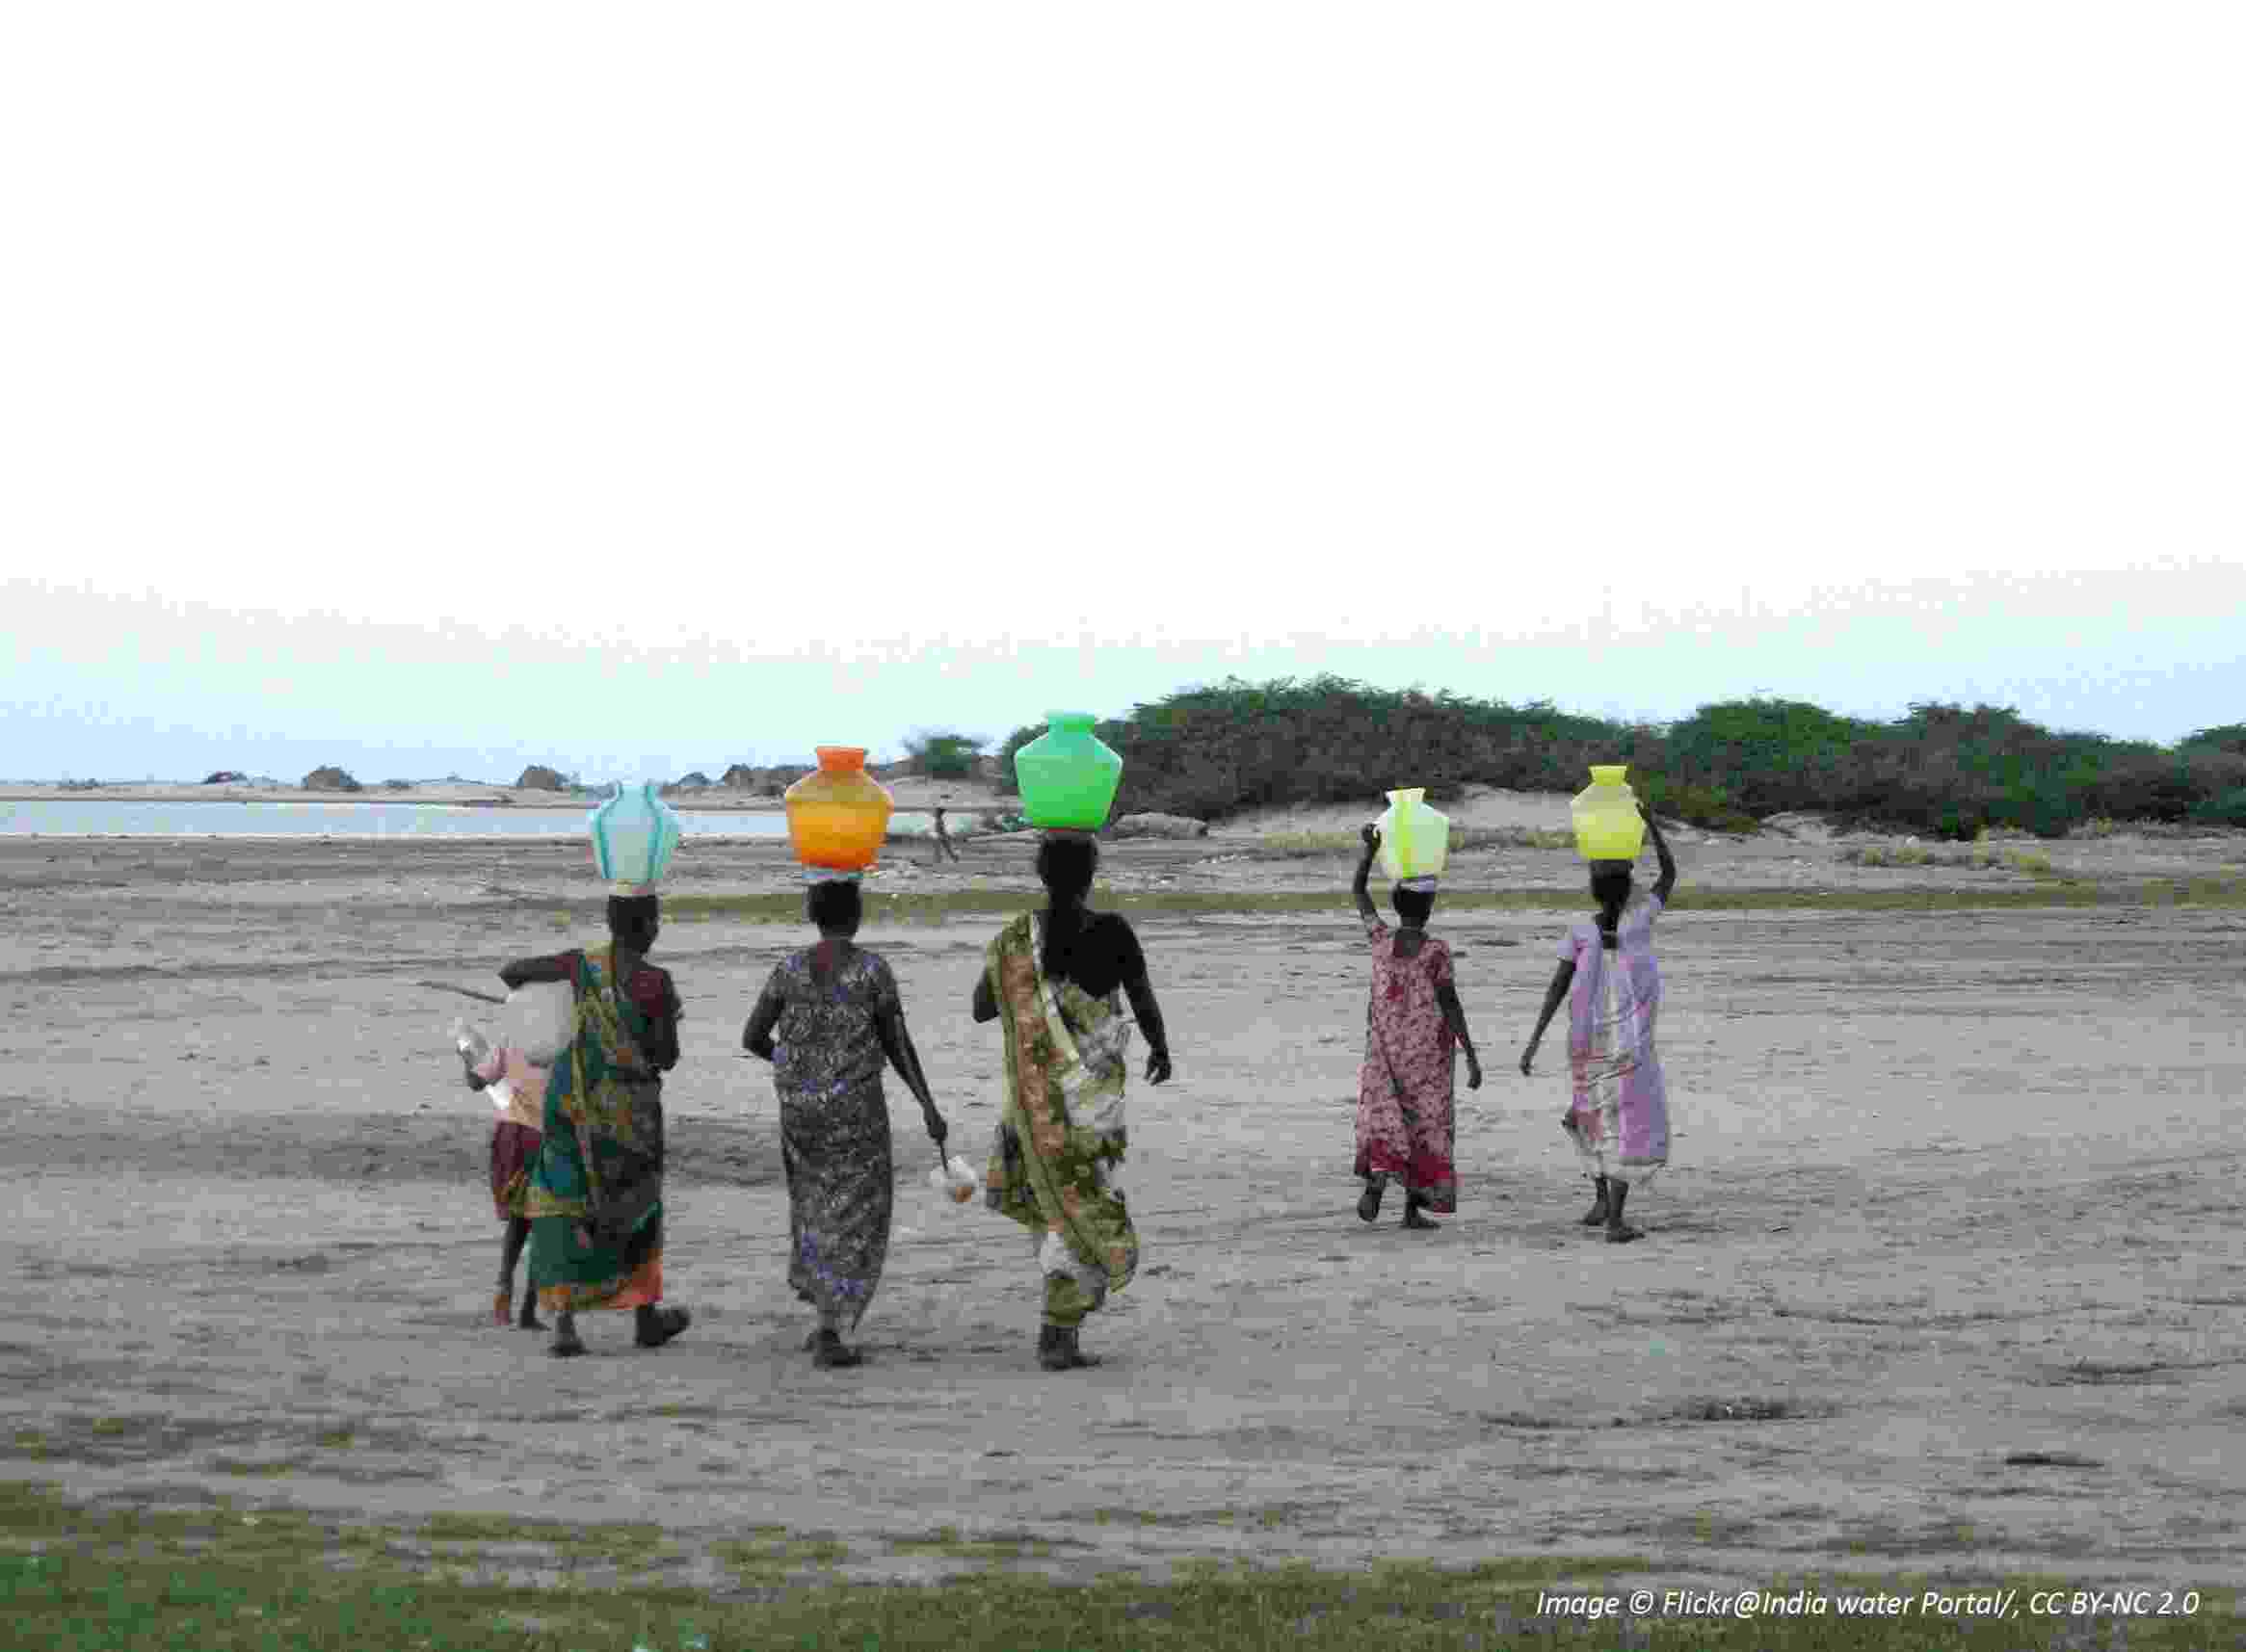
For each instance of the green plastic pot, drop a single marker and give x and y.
(1067, 776)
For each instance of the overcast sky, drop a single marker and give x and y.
(434, 387)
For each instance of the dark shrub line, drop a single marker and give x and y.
(1942, 770)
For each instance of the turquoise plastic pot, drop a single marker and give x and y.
(634, 834)
(1067, 776)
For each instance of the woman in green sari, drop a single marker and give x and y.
(595, 1199)
(1056, 979)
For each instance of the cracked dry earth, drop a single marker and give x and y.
(1946, 1274)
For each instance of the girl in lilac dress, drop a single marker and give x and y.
(1618, 1114)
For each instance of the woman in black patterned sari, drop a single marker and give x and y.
(827, 1021)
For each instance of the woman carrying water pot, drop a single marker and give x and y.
(1618, 1115)
(1414, 1027)
(828, 1020)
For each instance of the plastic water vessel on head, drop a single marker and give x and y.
(1415, 839)
(838, 816)
(1067, 776)
(1607, 823)
(634, 836)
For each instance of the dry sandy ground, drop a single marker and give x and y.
(1948, 1187)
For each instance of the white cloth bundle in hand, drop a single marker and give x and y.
(956, 1180)
(540, 1019)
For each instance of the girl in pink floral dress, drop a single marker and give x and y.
(1415, 1028)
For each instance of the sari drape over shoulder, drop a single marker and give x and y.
(1056, 1158)
(595, 1199)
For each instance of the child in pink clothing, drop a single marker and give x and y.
(515, 1141)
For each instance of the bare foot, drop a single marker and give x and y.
(832, 1355)
(656, 1329)
(1368, 1203)
(1622, 1233)
(1595, 1215)
(1413, 1219)
(566, 1346)
(1058, 1350)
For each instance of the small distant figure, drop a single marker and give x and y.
(944, 844)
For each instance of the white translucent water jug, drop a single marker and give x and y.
(634, 834)
(1415, 839)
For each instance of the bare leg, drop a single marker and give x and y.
(1619, 1231)
(827, 1350)
(567, 1345)
(1368, 1202)
(511, 1253)
(1596, 1214)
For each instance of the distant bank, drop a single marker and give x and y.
(88, 814)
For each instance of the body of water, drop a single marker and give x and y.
(65, 817)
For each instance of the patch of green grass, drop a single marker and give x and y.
(333, 1438)
(458, 1528)
(1981, 857)
(774, 1555)
(948, 1544)
(1510, 837)
(100, 1576)
(1310, 845)
(253, 1470)
(1303, 845)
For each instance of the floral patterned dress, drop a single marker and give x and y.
(833, 1126)
(1405, 1088)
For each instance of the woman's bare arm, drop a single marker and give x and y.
(1364, 907)
(1141, 992)
(1454, 1015)
(897, 1044)
(1665, 885)
(985, 1006)
(1556, 995)
(756, 1037)
(531, 971)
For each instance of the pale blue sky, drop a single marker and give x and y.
(430, 388)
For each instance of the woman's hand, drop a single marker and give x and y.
(1157, 1065)
(1371, 834)
(1527, 1057)
(937, 1130)
(1474, 1071)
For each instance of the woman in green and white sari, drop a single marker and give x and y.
(596, 1196)
(1056, 981)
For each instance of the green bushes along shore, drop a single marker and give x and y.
(1941, 771)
